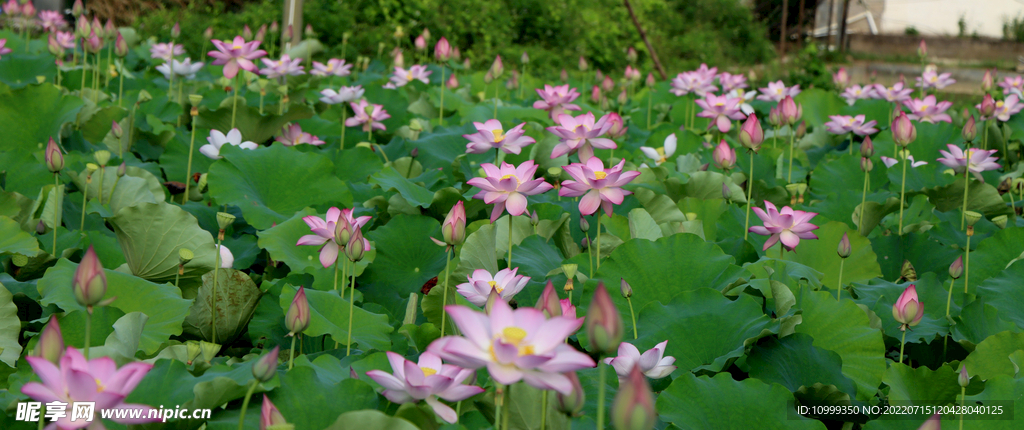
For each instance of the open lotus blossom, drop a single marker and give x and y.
(51, 20)
(776, 91)
(662, 154)
(932, 79)
(165, 51)
(581, 134)
(730, 82)
(490, 135)
(599, 187)
(744, 97)
(514, 345)
(418, 72)
(185, 69)
(425, 380)
(343, 95)
(653, 362)
(706, 73)
(508, 186)
(76, 379)
(218, 139)
(894, 94)
(65, 39)
(238, 54)
(889, 161)
(286, 66)
(1004, 109)
(556, 100)
(292, 135)
(974, 159)
(334, 67)
(369, 120)
(323, 233)
(506, 283)
(856, 92)
(721, 110)
(787, 226)
(1011, 83)
(927, 110)
(696, 82)
(842, 124)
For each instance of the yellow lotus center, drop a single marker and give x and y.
(720, 104)
(99, 386)
(280, 62)
(779, 90)
(999, 104)
(513, 335)
(933, 78)
(600, 175)
(925, 107)
(330, 67)
(969, 153)
(581, 125)
(236, 46)
(498, 135)
(495, 286)
(408, 76)
(428, 371)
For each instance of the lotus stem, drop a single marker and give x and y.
(440, 111)
(903, 342)
(180, 102)
(102, 168)
(984, 134)
(336, 274)
(110, 60)
(234, 102)
(497, 89)
(602, 381)
(864, 198)
(967, 266)
(383, 154)
(188, 169)
(85, 66)
(344, 278)
(650, 98)
(750, 196)
(131, 127)
(351, 310)
(499, 401)
(344, 114)
(543, 408)
(839, 290)
(96, 80)
(213, 305)
(248, 395)
(505, 406)
(597, 257)
(120, 85)
(88, 331)
(444, 294)
(85, 199)
(792, 134)
(56, 205)
(291, 351)
(509, 240)
(632, 316)
(967, 186)
(903, 193)
(963, 397)
(204, 50)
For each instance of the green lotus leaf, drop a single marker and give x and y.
(1004, 293)
(153, 185)
(795, 362)
(388, 178)
(921, 386)
(995, 254)
(820, 254)
(998, 390)
(254, 127)
(30, 116)
(10, 327)
(13, 240)
(699, 402)
(329, 314)
(991, 357)
(406, 259)
(370, 419)
(880, 296)
(977, 321)
(818, 104)
(981, 197)
(235, 303)
(151, 235)
(22, 69)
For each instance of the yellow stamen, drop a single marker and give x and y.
(600, 175)
(408, 76)
(428, 371)
(495, 286)
(99, 386)
(513, 335)
(498, 135)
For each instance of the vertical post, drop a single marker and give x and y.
(842, 26)
(800, 24)
(292, 17)
(831, 19)
(782, 33)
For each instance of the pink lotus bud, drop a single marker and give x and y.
(844, 249)
(342, 231)
(633, 408)
(51, 342)
(297, 318)
(289, 33)
(622, 98)
(90, 281)
(265, 367)
(457, 55)
(261, 34)
(801, 129)
(426, 35)
(789, 111)
(564, 76)
(41, 228)
(922, 49)
(309, 33)
(116, 129)
(584, 224)
(903, 131)
(595, 94)
(497, 68)
(513, 82)
(751, 133)
(420, 43)
(442, 51)
(625, 289)
(120, 46)
(908, 310)
(548, 302)
(631, 55)
(176, 30)
(986, 81)
(488, 77)
(866, 164)
(97, 26)
(246, 32)
(988, 106)
(970, 130)
(603, 323)
(109, 30)
(355, 248)
(274, 28)
(453, 229)
(77, 9)
(453, 82)
(935, 422)
(399, 58)
(650, 80)
(957, 268)
(94, 44)
(571, 404)
(525, 59)
(618, 128)
(54, 158)
(534, 219)
(724, 156)
(867, 149)
(583, 64)
(598, 75)
(51, 45)
(208, 33)
(270, 417)
(841, 79)
(774, 117)
(28, 10)
(82, 27)
(607, 84)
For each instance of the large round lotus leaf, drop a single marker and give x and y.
(174, 160)
(319, 411)
(994, 254)
(270, 184)
(329, 314)
(818, 104)
(919, 248)
(794, 361)
(370, 419)
(162, 303)
(992, 356)
(152, 184)
(981, 197)
(838, 203)
(704, 329)
(406, 259)
(844, 328)
(13, 240)
(236, 300)
(151, 235)
(880, 296)
(820, 254)
(10, 327)
(254, 127)
(30, 116)
(921, 386)
(1004, 293)
(389, 179)
(998, 390)
(23, 69)
(977, 321)
(723, 403)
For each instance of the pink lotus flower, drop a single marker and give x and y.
(975, 160)
(1004, 109)
(490, 135)
(426, 380)
(508, 187)
(842, 124)
(927, 110)
(51, 20)
(581, 134)
(185, 69)
(98, 380)
(334, 67)
(1011, 83)
(343, 95)
(4, 50)
(453, 82)
(893, 94)
(165, 51)
(506, 283)
(324, 232)
(908, 309)
(292, 135)
(286, 66)
(418, 73)
(931, 79)
(696, 81)
(787, 226)
(724, 156)
(889, 162)
(369, 120)
(720, 109)
(856, 92)
(556, 100)
(841, 79)
(662, 154)
(731, 82)
(218, 139)
(514, 345)
(443, 50)
(776, 91)
(568, 310)
(269, 415)
(236, 55)
(652, 363)
(599, 187)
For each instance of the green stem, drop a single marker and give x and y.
(510, 241)
(602, 378)
(967, 267)
(499, 392)
(963, 396)
(444, 294)
(234, 102)
(440, 111)
(188, 171)
(177, 274)
(382, 153)
(60, 197)
(96, 81)
(85, 66)
(497, 88)
(967, 186)
(131, 128)
(984, 141)
(85, 200)
(789, 178)
(505, 405)
(839, 291)
(851, 143)
(597, 260)
(590, 255)
(88, 331)
(544, 410)
(245, 403)
(351, 310)
(903, 342)
(750, 196)
(291, 351)
(650, 97)
(102, 169)
(213, 305)
(262, 95)
(120, 86)
(632, 316)
(344, 115)
(864, 198)
(903, 193)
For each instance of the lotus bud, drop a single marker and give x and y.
(607, 84)
(525, 58)
(41, 228)
(271, 418)
(453, 82)
(922, 49)
(122, 170)
(564, 76)
(788, 111)
(618, 128)
(120, 46)
(275, 28)
(497, 68)
(595, 94)
(970, 130)
(82, 28)
(724, 156)
(53, 46)
(903, 131)
(841, 79)
(751, 133)
(54, 158)
(603, 323)
(625, 288)
(309, 33)
(208, 33)
(116, 129)
(867, 148)
(261, 34)
(453, 230)
(571, 404)
(534, 219)
(443, 50)
(265, 367)
(97, 27)
(988, 106)
(297, 317)
(583, 64)
(599, 76)
(102, 157)
(844, 248)
(289, 33)
(585, 243)
(866, 164)
(77, 9)
(109, 30)
(355, 248)
(962, 377)
(908, 310)
(622, 98)
(51, 342)
(246, 32)
(801, 129)
(633, 408)
(548, 302)
(1000, 221)
(90, 281)
(94, 44)
(631, 55)
(513, 82)
(224, 219)
(986, 81)
(584, 224)
(176, 30)
(420, 43)
(774, 117)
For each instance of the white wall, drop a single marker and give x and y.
(940, 17)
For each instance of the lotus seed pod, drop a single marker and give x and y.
(972, 217)
(224, 219)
